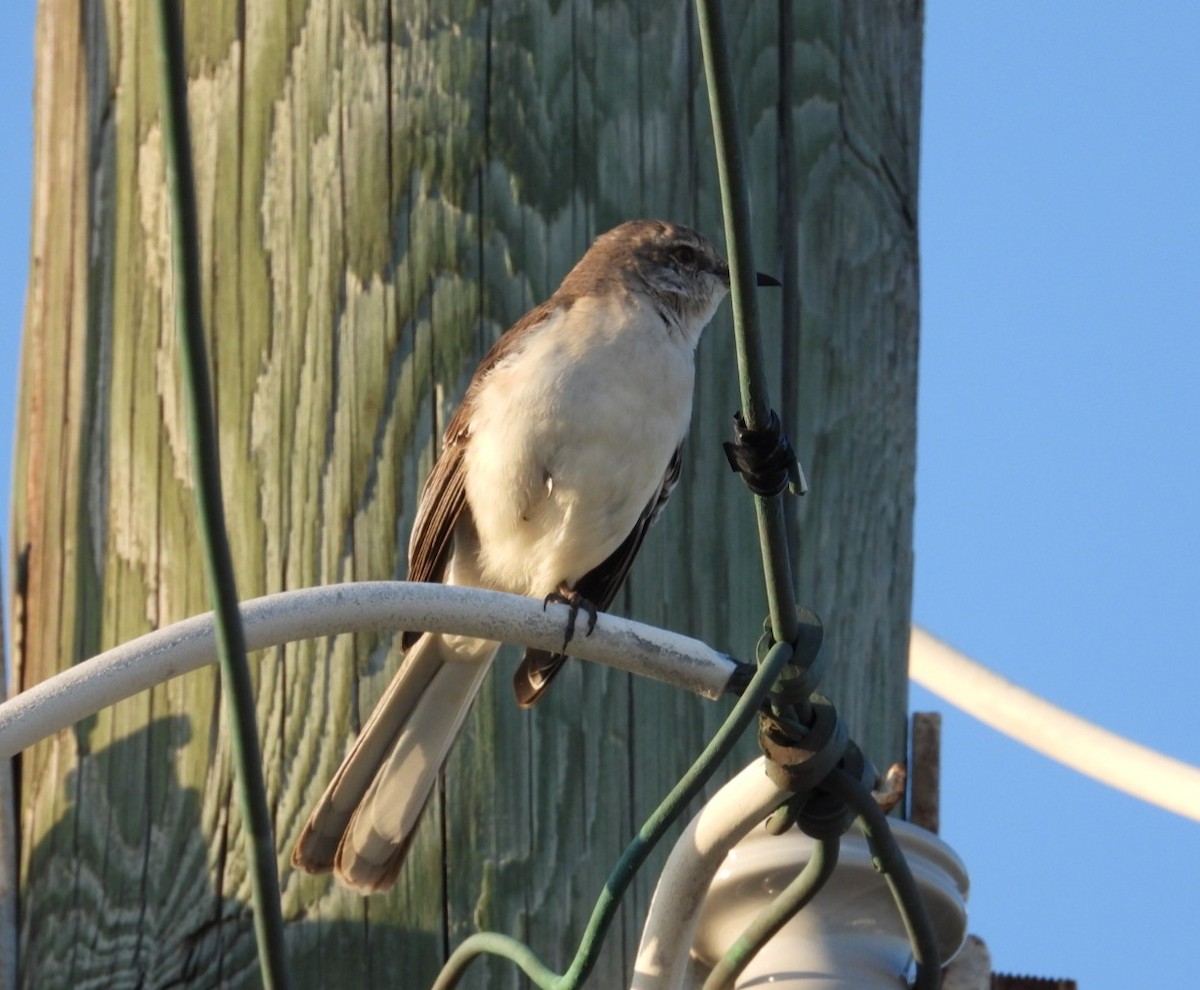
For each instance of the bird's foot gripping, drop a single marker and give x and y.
(566, 595)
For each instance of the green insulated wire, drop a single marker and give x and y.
(231, 646)
(889, 860)
(756, 407)
(635, 853)
(772, 531)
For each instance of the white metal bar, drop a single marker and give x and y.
(122, 672)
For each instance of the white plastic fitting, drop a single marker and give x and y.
(849, 936)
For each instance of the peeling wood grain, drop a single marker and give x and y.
(925, 771)
(383, 187)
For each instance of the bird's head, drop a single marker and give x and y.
(678, 267)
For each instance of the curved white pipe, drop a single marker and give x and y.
(1066, 738)
(368, 606)
(663, 959)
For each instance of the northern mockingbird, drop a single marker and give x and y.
(565, 448)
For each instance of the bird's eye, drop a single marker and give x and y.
(684, 254)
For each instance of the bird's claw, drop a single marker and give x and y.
(566, 595)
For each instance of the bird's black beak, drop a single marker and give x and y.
(762, 279)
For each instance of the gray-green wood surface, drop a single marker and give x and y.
(383, 188)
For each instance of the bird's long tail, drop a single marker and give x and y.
(362, 826)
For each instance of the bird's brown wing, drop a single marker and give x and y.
(442, 502)
(444, 496)
(599, 586)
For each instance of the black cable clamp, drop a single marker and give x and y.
(801, 766)
(765, 458)
(804, 739)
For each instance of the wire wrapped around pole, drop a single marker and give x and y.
(756, 406)
(756, 411)
(235, 672)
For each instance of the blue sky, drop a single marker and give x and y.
(1057, 535)
(1058, 538)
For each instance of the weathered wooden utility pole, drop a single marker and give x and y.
(384, 187)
